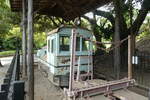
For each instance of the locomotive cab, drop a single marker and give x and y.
(58, 54)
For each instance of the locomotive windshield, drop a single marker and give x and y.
(78, 44)
(64, 43)
(85, 45)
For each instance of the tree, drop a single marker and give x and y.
(124, 16)
(7, 20)
(127, 25)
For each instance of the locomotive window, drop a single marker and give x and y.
(78, 44)
(85, 45)
(53, 45)
(48, 45)
(64, 43)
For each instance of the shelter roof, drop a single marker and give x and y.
(66, 9)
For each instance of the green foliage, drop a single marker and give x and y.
(7, 18)
(12, 39)
(145, 29)
(12, 43)
(7, 53)
(40, 40)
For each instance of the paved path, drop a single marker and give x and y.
(3, 70)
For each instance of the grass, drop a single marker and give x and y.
(7, 53)
(11, 52)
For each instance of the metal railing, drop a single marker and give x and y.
(12, 88)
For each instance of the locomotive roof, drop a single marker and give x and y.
(61, 27)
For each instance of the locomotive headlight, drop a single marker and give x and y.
(77, 21)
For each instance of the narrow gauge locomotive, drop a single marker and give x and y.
(54, 59)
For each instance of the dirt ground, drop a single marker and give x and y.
(45, 90)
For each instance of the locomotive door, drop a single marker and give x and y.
(51, 50)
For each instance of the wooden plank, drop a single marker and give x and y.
(24, 39)
(129, 58)
(129, 95)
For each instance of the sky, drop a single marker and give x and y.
(107, 9)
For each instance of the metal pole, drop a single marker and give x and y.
(89, 68)
(78, 69)
(129, 58)
(24, 39)
(91, 65)
(72, 58)
(30, 51)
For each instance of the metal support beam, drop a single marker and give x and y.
(92, 89)
(24, 39)
(72, 58)
(78, 70)
(30, 52)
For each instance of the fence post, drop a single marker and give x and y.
(3, 95)
(18, 90)
(4, 87)
(1, 64)
(129, 58)
(149, 94)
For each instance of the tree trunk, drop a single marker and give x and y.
(117, 5)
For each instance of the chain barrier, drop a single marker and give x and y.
(117, 44)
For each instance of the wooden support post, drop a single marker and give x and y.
(24, 39)
(117, 57)
(72, 58)
(149, 94)
(1, 64)
(117, 50)
(129, 58)
(30, 60)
